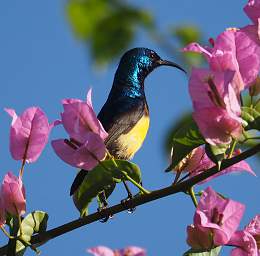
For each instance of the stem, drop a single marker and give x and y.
(135, 183)
(22, 168)
(43, 237)
(109, 155)
(251, 101)
(250, 138)
(193, 197)
(241, 99)
(129, 178)
(233, 145)
(19, 220)
(6, 233)
(114, 162)
(257, 102)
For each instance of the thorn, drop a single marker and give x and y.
(177, 176)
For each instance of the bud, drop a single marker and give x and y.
(13, 194)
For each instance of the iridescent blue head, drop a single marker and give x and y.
(134, 67)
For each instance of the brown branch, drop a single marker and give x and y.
(183, 186)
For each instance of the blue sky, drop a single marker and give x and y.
(41, 63)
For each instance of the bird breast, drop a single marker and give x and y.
(130, 143)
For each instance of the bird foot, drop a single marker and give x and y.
(103, 207)
(108, 215)
(125, 203)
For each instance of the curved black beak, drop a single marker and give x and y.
(170, 63)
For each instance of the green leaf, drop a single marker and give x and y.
(34, 222)
(184, 141)
(194, 252)
(216, 153)
(85, 15)
(103, 178)
(251, 117)
(186, 34)
(108, 27)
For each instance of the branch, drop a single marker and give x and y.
(42, 238)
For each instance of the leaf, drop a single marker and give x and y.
(176, 125)
(103, 178)
(252, 118)
(108, 27)
(85, 15)
(184, 141)
(130, 168)
(194, 252)
(216, 153)
(186, 34)
(34, 222)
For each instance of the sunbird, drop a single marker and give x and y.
(125, 114)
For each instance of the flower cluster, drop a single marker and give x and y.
(85, 146)
(215, 224)
(233, 66)
(28, 136)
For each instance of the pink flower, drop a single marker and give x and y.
(252, 9)
(215, 216)
(247, 240)
(13, 194)
(101, 251)
(86, 147)
(234, 50)
(254, 227)
(2, 212)
(85, 156)
(191, 161)
(128, 251)
(216, 107)
(79, 118)
(199, 238)
(28, 134)
(199, 162)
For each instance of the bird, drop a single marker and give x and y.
(125, 114)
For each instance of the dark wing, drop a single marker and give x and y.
(117, 117)
(120, 116)
(77, 181)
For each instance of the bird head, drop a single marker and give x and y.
(132, 70)
(143, 61)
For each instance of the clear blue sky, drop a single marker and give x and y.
(42, 63)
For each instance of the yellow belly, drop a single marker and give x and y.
(130, 143)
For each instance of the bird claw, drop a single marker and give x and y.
(103, 206)
(125, 203)
(107, 217)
